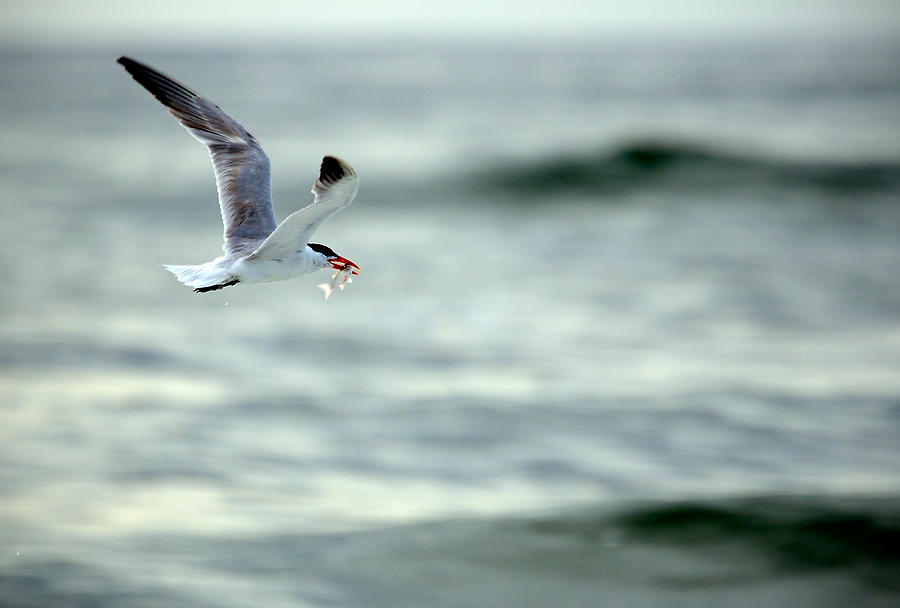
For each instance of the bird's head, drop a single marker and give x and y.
(327, 258)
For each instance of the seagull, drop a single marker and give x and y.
(256, 248)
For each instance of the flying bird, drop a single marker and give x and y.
(256, 248)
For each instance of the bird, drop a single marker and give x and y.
(256, 249)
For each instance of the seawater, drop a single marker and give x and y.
(626, 333)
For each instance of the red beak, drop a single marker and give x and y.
(339, 263)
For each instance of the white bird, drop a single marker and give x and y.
(256, 249)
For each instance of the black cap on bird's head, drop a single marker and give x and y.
(337, 262)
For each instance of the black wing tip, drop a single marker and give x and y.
(132, 65)
(333, 169)
(165, 88)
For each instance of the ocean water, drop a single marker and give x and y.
(627, 333)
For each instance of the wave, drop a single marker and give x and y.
(772, 551)
(652, 164)
(785, 535)
(724, 544)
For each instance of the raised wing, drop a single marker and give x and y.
(334, 189)
(243, 177)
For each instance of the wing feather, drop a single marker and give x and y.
(334, 189)
(243, 175)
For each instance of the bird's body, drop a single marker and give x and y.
(256, 248)
(242, 269)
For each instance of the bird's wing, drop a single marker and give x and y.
(243, 177)
(334, 189)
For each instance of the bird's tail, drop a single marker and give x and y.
(203, 277)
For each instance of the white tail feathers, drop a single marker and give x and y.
(202, 277)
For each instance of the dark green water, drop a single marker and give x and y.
(627, 334)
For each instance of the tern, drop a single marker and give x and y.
(256, 248)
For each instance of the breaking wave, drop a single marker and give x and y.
(644, 165)
(774, 551)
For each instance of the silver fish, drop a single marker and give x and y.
(340, 278)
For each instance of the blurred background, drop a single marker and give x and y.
(627, 334)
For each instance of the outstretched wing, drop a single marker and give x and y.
(243, 178)
(334, 189)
